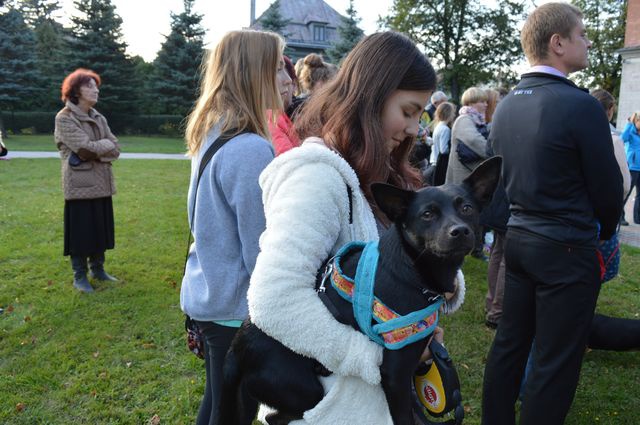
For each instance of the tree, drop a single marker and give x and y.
(471, 43)
(98, 45)
(272, 20)
(175, 80)
(605, 22)
(51, 50)
(349, 34)
(19, 77)
(36, 12)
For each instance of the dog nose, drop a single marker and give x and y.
(459, 231)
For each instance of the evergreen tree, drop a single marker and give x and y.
(272, 19)
(51, 48)
(471, 43)
(605, 22)
(19, 77)
(98, 45)
(349, 34)
(36, 12)
(175, 80)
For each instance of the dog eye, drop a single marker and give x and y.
(467, 209)
(428, 215)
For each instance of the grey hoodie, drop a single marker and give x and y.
(228, 221)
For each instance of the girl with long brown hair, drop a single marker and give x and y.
(359, 128)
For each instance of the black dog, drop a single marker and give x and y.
(432, 231)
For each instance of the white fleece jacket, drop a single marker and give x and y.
(307, 219)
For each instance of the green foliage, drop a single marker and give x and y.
(349, 34)
(605, 22)
(98, 45)
(272, 19)
(470, 43)
(51, 50)
(176, 69)
(44, 122)
(19, 79)
(118, 356)
(128, 144)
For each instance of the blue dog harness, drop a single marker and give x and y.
(392, 330)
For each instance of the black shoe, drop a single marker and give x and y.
(490, 324)
(624, 222)
(102, 275)
(82, 285)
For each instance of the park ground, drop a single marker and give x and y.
(118, 356)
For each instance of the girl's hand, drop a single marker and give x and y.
(438, 334)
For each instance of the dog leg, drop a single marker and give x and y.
(396, 382)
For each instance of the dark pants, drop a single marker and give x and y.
(217, 340)
(635, 182)
(550, 294)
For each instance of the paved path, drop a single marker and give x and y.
(24, 154)
(628, 234)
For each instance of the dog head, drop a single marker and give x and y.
(439, 222)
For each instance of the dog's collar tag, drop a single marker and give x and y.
(392, 330)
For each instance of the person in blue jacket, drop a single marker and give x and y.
(238, 86)
(631, 138)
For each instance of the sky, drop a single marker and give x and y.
(146, 22)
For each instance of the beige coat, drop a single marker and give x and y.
(464, 129)
(89, 136)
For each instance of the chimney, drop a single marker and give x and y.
(632, 33)
(253, 12)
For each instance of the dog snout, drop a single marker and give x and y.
(459, 231)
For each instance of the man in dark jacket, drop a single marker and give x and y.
(565, 191)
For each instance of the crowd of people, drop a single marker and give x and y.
(306, 142)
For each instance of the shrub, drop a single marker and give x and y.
(120, 124)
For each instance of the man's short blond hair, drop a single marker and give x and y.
(542, 23)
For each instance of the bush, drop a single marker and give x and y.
(120, 124)
(38, 122)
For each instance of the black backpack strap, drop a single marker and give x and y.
(350, 195)
(206, 158)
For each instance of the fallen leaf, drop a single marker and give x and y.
(148, 345)
(464, 366)
(9, 308)
(155, 420)
(96, 354)
(102, 375)
(128, 364)
(467, 408)
(27, 318)
(49, 282)
(94, 393)
(20, 407)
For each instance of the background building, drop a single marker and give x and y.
(629, 99)
(312, 26)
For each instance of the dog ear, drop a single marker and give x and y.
(392, 200)
(484, 179)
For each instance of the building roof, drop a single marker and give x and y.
(302, 14)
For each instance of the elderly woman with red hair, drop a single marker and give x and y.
(87, 149)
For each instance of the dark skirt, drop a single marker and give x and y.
(88, 226)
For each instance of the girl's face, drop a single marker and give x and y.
(636, 121)
(400, 116)
(285, 86)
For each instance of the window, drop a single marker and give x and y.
(319, 33)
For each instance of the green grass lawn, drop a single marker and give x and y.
(128, 144)
(118, 356)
